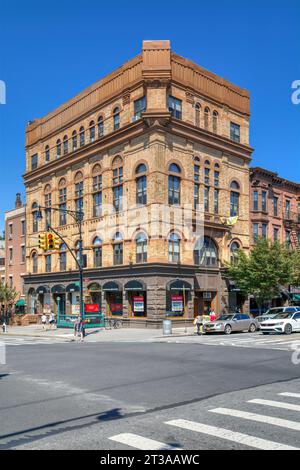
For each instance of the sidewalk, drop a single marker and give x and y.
(95, 335)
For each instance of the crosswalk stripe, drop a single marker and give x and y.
(289, 394)
(142, 443)
(276, 404)
(228, 435)
(283, 423)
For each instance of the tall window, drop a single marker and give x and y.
(264, 201)
(97, 195)
(206, 199)
(118, 249)
(205, 252)
(141, 248)
(141, 185)
(206, 117)
(118, 184)
(74, 140)
(79, 196)
(92, 131)
(206, 173)
(35, 220)
(48, 263)
(196, 186)
(234, 199)
(116, 118)
(34, 258)
(264, 230)
(97, 249)
(139, 108)
(175, 107)
(34, 161)
(81, 136)
(47, 153)
(62, 205)
(197, 114)
(215, 122)
(255, 200)
(174, 184)
(276, 234)
(288, 241)
(100, 126)
(63, 257)
(287, 208)
(235, 131)
(275, 206)
(58, 148)
(174, 248)
(48, 203)
(234, 248)
(255, 231)
(65, 144)
(216, 201)
(23, 253)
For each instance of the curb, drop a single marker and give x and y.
(35, 336)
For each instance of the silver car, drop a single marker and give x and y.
(232, 322)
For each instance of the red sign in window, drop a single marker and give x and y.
(91, 308)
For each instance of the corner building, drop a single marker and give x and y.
(157, 156)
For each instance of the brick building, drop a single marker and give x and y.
(157, 156)
(15, 246)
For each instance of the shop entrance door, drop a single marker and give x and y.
(114, 303)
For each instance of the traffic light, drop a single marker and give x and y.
(43, 241)
(52, 241)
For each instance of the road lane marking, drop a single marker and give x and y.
(289, 394)
(228, 435)
(141, 443)
(276, 404)
(283, 423)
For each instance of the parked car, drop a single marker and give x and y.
(232, 322)
(264, 317)
(277, 310)
(285, 322)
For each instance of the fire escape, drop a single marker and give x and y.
(292, 223)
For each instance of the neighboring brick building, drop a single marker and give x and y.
(162, 132)
(15, 246)
(274, 207)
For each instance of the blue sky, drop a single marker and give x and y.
(52, 50)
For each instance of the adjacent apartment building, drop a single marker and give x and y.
(15, 247)
(274, 208)
(156, 155)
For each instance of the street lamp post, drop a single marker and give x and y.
(78, 218)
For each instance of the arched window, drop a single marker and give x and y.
(205, 252)
(215, 122)
(35, 219)
(174, 184)
(97, 191)
(100, 126)
(66, 149)
(34, 258)
(206, 117)
(118, 248)
(62, 198)
(234, 199)
(97, 249)
(63, 257)
(81, 136)
(47, 153)
(141, 248)
(116, 117)
(118, 183)
(92, 131)
(58, 148)
(174, 248)
(79, 191)
(197, 114)
(74, 140)
(234, 248)
(141, 184)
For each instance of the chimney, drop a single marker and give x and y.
(18, 203)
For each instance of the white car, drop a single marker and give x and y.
(288, 323)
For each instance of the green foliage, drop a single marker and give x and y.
(8, 295)
(267, 267)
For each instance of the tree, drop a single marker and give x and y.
(264, 271)
(8, 296)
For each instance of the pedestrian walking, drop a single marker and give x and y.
(52, 319)
(44, 321)
(199, 324)
(81, 330)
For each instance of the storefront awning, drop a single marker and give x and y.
(72, 288)
(179, 284)
(111, 286)
(135, 285)
(94, 287)
(43, 290)
(58, 289)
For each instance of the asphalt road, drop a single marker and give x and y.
(91, 395)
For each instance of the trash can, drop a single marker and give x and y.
(167, 327)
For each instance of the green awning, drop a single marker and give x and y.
(20, 303)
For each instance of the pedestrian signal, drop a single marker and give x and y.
(43, 241)
(53, 241)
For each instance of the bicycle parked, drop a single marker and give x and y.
(111, 323)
